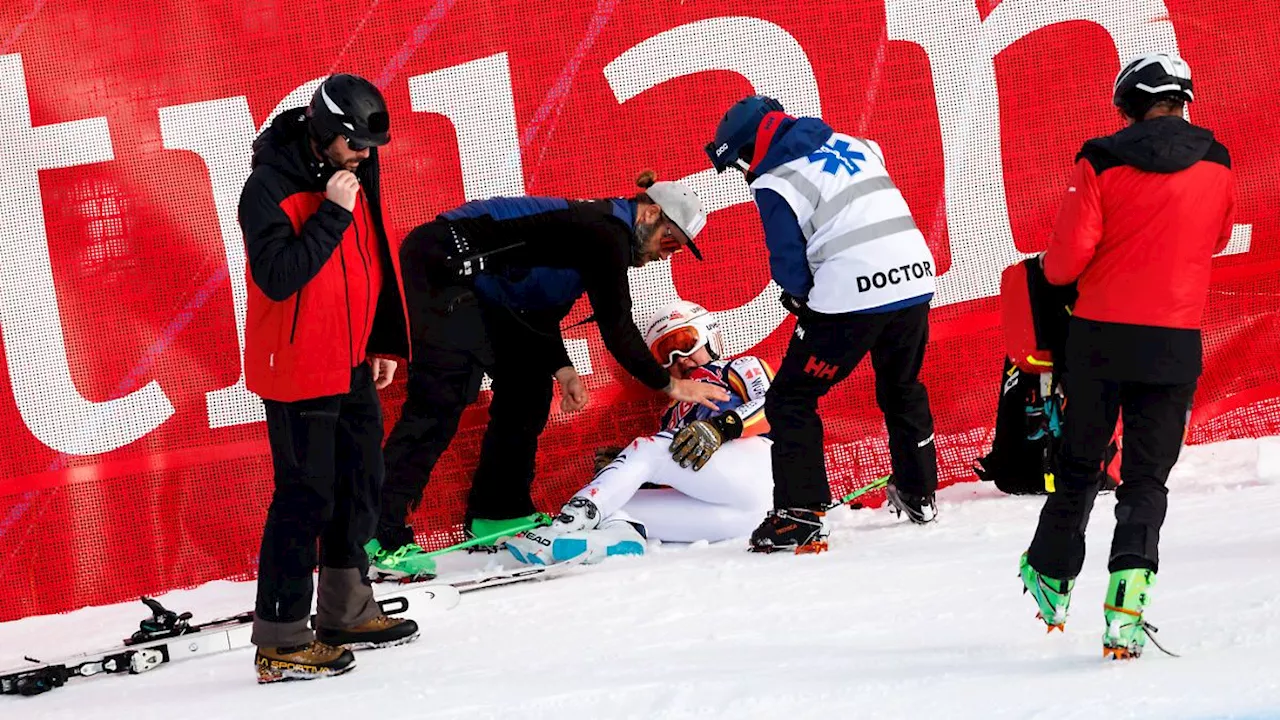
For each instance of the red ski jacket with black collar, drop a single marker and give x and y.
(1147, 209)
(324, 283)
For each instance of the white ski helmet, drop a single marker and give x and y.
(1147, 79)
(680, 329)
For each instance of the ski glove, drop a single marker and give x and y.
(694, 445)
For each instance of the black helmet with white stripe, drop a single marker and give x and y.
(1149, 79)
(350, 106)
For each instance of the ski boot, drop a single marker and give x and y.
(1051, 595)
(919, 509)
(407, 563)
(1127, 597)
(499, 531)
(615, 536)
(378, 632)
(800, 530)
(578, 529)
(302, 662)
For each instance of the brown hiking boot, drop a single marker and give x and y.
(302, 662)
(378, 632)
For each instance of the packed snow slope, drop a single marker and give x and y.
(896, 621)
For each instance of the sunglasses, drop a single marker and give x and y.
(669, 242)
(356, 145)
(672, 243)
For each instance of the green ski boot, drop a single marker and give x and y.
(407, 563)
(1127, 597)
(498, 532)
(1051, 595)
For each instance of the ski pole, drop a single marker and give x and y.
(540, 520)
(862, 491)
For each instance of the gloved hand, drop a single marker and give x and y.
(794, 305)
(694, 445)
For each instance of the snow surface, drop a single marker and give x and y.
(896, 621)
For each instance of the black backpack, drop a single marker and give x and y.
(1024, 450)
(1022, 460)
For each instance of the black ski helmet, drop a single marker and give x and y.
(350, 106)
(1149, 79)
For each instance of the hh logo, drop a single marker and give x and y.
(820, 369)
(752, 374)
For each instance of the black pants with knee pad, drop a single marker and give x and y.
(327, 457)
(468, 340)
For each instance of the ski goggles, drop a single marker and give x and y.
(677, 343)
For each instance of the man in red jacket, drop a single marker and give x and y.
(1147, 209)
(324, 297)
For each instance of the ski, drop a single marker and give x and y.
(168, 637)
(496, 578)
(466, 581)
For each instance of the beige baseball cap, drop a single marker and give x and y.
(681, 204)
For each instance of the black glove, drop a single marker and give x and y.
(794, 305)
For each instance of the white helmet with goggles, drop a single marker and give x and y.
(682, 328)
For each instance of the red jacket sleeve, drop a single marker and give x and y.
(1228, 222)
(1078, 230)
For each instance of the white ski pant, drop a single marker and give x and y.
(726, 499)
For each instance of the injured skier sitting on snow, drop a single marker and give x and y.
(714, 468)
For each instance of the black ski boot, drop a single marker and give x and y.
(919, 509)
(800, 530)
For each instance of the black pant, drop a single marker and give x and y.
(824, 350)
(444, 378)
(1155, 417)
(327, 457)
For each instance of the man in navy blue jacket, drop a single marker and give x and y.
(487, 285)
(857, 273)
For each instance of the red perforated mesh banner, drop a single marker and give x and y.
(132, 460)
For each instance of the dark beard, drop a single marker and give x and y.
(639, 235)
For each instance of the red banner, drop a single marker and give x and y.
(133, 459)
